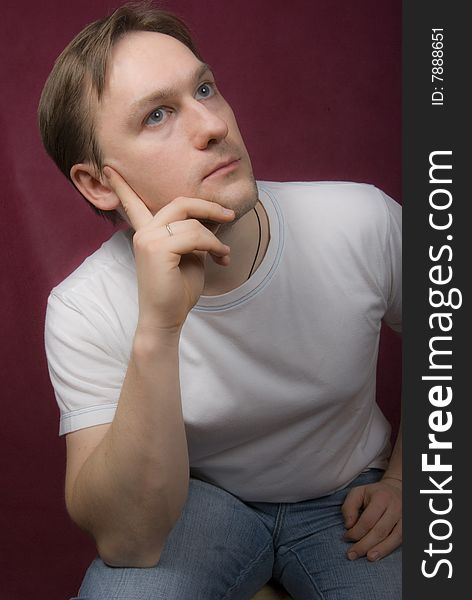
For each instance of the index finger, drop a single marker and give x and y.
(366, 522)
(138, 213)
(353, 503)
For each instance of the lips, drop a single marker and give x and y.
(221, 165)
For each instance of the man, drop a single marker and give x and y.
(215, 363)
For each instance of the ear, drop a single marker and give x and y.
(94, 187)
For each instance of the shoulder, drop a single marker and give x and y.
(328, 194)
(109, 265)
(99, 295)
(335, 205)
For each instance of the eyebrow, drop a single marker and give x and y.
(163, 94)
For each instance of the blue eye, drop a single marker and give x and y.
(206, 90)
(156, 117)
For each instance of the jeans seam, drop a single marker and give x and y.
(326, 527)
(310, 578)
(246, 570)
(278, 522)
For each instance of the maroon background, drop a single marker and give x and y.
(316, 88)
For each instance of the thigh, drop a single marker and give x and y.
(218, 549)
(311, 560)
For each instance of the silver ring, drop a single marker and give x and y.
(169, 229)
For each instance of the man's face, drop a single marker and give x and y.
(163, 125)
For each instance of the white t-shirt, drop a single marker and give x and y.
(278, 375)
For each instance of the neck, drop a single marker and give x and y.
(243, 239)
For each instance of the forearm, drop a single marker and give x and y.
(132, 487)
(394, 469)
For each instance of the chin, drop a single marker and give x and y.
(240, 196)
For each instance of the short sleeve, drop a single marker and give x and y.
(393, 264)
(85, 373)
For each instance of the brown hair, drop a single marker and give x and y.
(65, 111)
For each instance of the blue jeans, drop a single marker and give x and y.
(224, 549)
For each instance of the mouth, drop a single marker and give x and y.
(224, 167)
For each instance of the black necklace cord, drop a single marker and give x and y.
(258, 243)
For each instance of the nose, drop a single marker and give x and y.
(206, 126)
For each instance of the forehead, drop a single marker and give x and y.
(142, 60)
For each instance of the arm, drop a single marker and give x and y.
(373, 513)
(127, 482)
(394, 471)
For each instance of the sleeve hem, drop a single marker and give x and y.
(86, 417)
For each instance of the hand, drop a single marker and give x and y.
(378, 529)
(170, 268)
